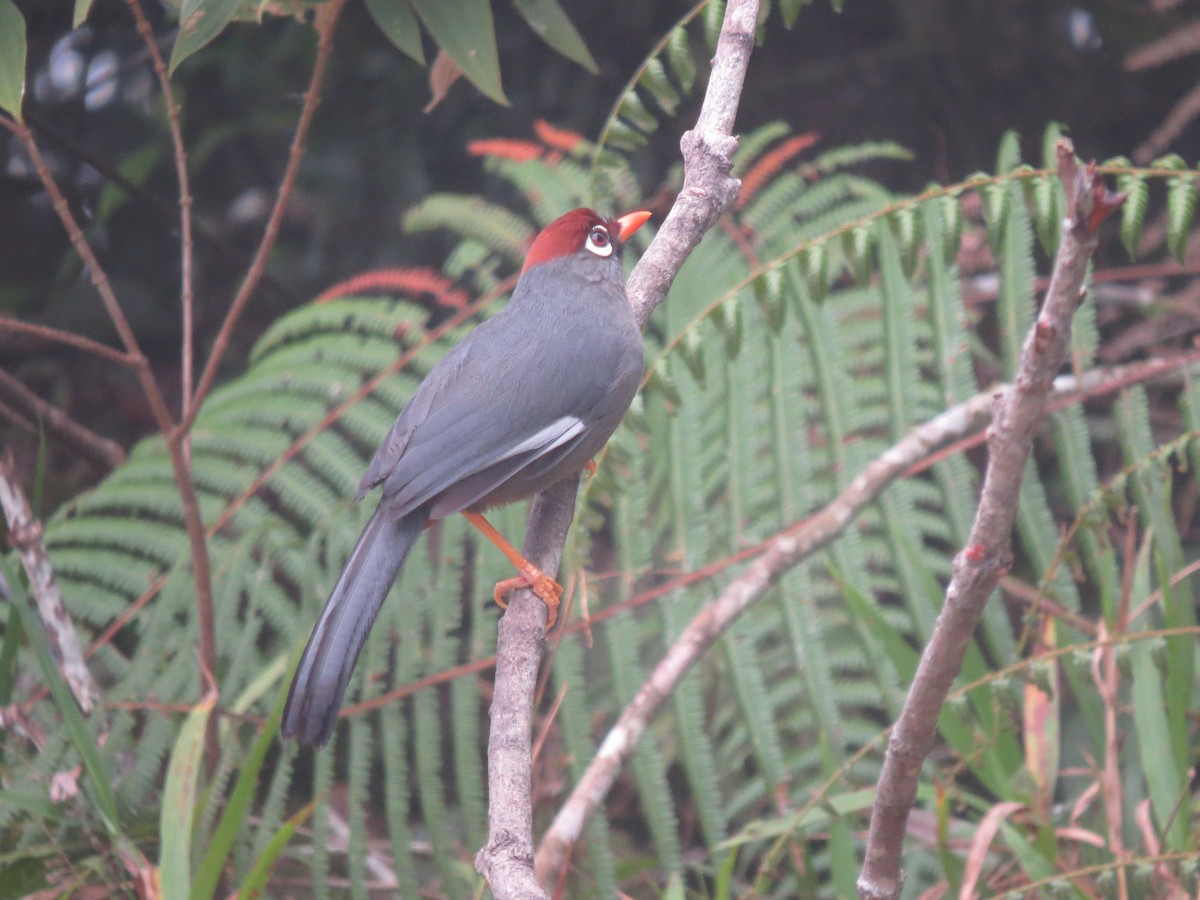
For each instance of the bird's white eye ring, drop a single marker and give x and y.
(599, 242)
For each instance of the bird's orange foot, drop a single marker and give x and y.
(547, 589)
(590, 466)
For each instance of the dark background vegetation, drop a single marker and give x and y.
(945, 78)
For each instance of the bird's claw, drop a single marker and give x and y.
(547, 589)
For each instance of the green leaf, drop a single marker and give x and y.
(179, 801)
(82, 8)
(255, 884)
(1181, 211)
(399, 24)
(199, 22)
(790, 10)
(1133, 213)
(679, 54)
(465, 30)
(235, 814)
(84, 741)
(12, 59)
(552, 26)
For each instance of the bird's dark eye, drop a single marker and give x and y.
(599, 242)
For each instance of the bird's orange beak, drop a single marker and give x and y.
(631, 222)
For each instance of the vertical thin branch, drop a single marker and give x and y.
(988, 553)
(506, 861)
(185, 204)
(324, 23)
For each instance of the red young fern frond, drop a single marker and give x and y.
(505, 148)
(556, 138)
(765, 167)
(417, 283)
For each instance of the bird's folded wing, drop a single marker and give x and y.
(464, 460)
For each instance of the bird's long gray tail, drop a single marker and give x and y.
(320, 682)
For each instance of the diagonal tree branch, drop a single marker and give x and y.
(25, 535)
(708, 189)
(103, 453)
(988, 553)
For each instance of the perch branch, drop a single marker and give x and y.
(25, 535)
(988, 553)
(708, 189)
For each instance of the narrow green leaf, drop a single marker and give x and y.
(634, 111)
(623, 136)
(815, 264)
(1133, 213)
(856, 244)
(714, 15)
(952, 219)
(1008, 156)
(679, 54)
(82, 8)
(81, 737)
(234, 815)
(200, 21)
(729, 322)
(547, 18)
(1181, 211)
(691, 351)
(255, 885)
(399, 24)
(996, 206)
(12, 59)
(1047, 200)
(659, 86)
(8, 656)
(465, 30)
(790, 10)
(179, 801)
(1165, 782)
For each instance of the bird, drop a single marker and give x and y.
(527, 398)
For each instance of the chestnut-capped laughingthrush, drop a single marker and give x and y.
(524, 400)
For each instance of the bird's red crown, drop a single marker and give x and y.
(579, 229)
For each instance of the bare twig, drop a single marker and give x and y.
(185, 201)
(325, 23)
(25, 535)
(708, 189)
(988, 554)
(58, 336)
(102, 452)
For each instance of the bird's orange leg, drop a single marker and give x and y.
(590, 466)
(548, 590)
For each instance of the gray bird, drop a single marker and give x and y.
(526, 399)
